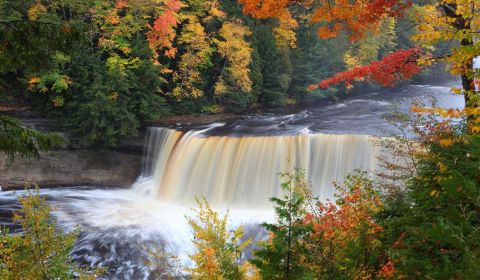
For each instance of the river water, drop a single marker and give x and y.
(234, 165)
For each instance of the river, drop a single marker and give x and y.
(234, 165)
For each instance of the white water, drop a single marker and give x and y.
(239, 173)
(243, 172)
(120, 225)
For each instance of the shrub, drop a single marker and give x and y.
(41, 251)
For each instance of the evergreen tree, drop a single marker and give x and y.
(280, 257)
(437, 235)
(17, 140)
(105, 106)
(272, 94)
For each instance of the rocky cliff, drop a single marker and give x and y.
(72, 167)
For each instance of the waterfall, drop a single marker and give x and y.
(243, 171)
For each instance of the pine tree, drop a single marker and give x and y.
(280, 257)
(17, 140)
(272, 94)
(436, 235)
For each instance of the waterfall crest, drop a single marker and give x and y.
(244, 171)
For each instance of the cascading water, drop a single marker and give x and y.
(239, 172)
(234, 165)
(243, 171)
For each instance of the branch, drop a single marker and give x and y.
(14, 21)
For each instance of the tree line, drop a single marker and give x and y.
(102, 69)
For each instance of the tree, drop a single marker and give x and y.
(346, 238)
(440, 22)
(188, 78)
(106, 104)
(281, 256)
(17, 140)
(162, 32)
(454, 23)
(272, 94)
(433, 227)
(41, 251)
(237, 56)
(218, 251)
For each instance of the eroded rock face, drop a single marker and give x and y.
(72, 167)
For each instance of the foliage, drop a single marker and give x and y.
(433, 227)
(272, 93)
(218, 251)
(395, 66)
(106, 105)
(281, 255)
(211, 109)
(235, 76)
(453, 23)
(17, 140)
(446, 32)
(162, 32)
(345, 240)
(31, 32)
(372, 47)
(188, 78)
(154, 57)
(41, 251)
(357, 18)
(239, 102)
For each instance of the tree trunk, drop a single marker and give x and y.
(468, 84)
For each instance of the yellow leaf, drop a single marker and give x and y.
(34, 11)
(446, 142)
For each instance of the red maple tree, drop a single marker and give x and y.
(399, 65)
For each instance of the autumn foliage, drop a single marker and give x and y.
(162, 32)
(42, 251)
(346, 233)
(313, 239)
(218, 250)
(400, 65)
(357, 18)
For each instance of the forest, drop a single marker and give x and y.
(102, 70)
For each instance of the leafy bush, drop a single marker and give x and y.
(214, 108)
(218, 251)
(41, 251)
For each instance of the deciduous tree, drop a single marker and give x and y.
(237, 55)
